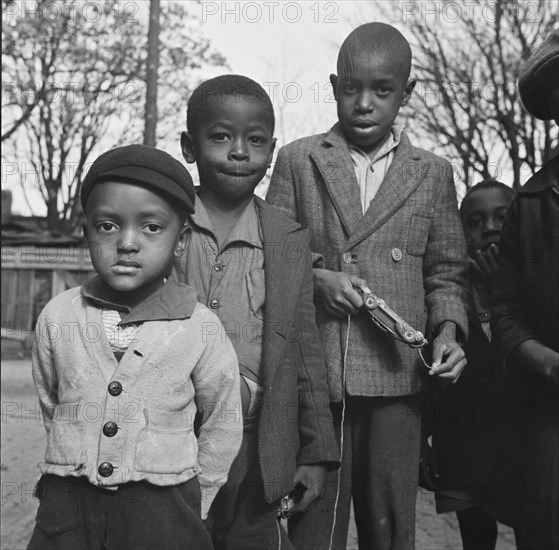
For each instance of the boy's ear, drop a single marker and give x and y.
(408, 90)
(187, 147)
(183, 241)
(334, 82)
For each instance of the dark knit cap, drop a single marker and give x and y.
(145, 166)
(535, 82)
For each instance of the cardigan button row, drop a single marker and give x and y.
(105, 469)
(115, 388)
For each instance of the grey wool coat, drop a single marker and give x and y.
(409, 247)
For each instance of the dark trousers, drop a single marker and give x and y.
(73, 514)
(380, 467)
(539, 523)
(240, 516)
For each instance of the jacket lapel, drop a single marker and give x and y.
(333, 160)
(403, 177)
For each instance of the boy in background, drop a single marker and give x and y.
(525, 310)
(470, 416)
(252, 266)
(381, 213)
(122, 364)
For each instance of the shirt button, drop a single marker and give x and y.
(371, 168)
(115, 388)
(218, 267)
(105, 469)
(110, 429)
(396, 254)
(347, 257)
(214, 304)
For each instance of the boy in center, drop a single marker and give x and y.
(382, 214)
(254, 271)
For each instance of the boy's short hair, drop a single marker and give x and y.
(482, 185)
(379, 38)
(220, 87)
(145, 166)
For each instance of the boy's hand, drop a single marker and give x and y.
(449, 358)
(313, 476)
(337, 292)
(484, 265)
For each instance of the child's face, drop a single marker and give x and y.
(483, 218)
(232, 148)
(133, 235)
(369, 96)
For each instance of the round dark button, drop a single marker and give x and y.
(115, 388)
(214, 304)
(218, 267)
(110, 429)
(105, 469)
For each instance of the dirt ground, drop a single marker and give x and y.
(23, 443)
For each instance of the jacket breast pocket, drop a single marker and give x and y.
(167, 445)
(66, 437)
(418, 232)
(256, 292)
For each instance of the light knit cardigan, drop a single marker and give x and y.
(173, 368)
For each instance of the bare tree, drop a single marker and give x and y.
(467, 57)
(73, 79)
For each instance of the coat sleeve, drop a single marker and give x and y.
(510, 308)
(316, 433)
(216, 382)
(282, 193)
(445, 265)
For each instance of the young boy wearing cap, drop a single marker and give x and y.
(252, 266)
(121, 366)
(525, 313)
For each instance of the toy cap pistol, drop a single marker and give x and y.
(389, 321)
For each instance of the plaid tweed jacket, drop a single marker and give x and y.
(409, 247)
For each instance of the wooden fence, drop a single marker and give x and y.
(32, 274)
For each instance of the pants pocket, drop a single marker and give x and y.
(58, 510)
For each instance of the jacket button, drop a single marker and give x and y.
(214, 304)
(115, 388)
(110, 429)
(347, 257)
(396, 254)
(105, 469)
(218, 267)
